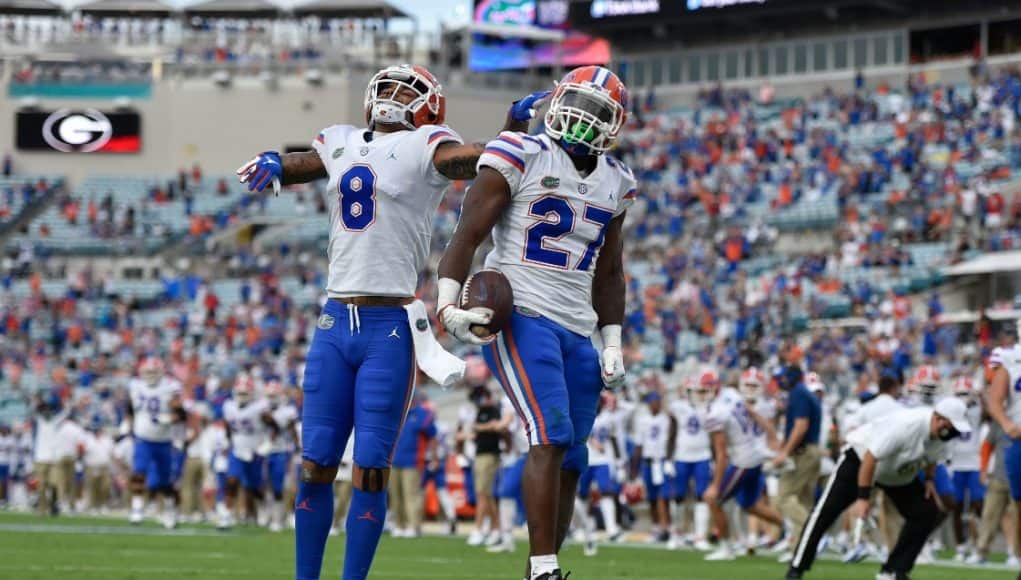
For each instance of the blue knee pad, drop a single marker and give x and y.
(576, 458)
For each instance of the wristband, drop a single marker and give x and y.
(448, 291)
(865, 492)
(611, 335)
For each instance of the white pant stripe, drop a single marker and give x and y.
(516, 393)
(799, 554)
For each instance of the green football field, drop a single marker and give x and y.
(108, 549)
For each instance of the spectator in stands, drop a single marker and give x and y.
(405, 492)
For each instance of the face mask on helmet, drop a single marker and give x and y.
(585, 121)
(396, 96)
(750, 391)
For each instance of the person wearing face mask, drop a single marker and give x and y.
(888, 453)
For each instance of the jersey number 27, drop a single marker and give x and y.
(558, 220)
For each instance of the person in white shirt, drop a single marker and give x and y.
(45, 457)
(248, 424)
(888, 453)
(196, 441)
(279, 447)
(737, 472)
(606, 454)
(655, 438)
(70, 441)
(965, 462)
(692, 455)
(155, 408)
(98, 458)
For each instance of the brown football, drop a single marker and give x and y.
(489, 289)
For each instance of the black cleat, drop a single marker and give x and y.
(793, 574)
(554, 575)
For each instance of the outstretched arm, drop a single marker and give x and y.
(458, 161)
(302, 167)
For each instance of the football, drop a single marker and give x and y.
(489, 289)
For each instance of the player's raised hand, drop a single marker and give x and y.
(456, 320)
(261, 170)
(612, 358)
(524, 109)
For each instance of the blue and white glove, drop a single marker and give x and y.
(524, 109)
(261, 170)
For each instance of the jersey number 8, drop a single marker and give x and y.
(557, 220)
(357, 188)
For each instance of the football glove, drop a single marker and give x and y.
(458, 322)
(612, 359)
(524, 109)
(261, 170)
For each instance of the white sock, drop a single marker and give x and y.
(137, 503)
(486, 526)
(609, 509)
(508, 513)
(701, 520)
(543, 565)
(582, 519)
(447, 504)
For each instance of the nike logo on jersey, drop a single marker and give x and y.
(393, 333)
(391, 155)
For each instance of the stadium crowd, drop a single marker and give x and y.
(893, 183)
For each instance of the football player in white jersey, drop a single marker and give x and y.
(655, 440)
(737, 470)
(249, 422)
(155, 408)
(387, 182)
(965, 460)
(764, 411)
(555, 206)
(508, 481)
(692, 454)
(607, 453)
(280, 445)
(924, 388)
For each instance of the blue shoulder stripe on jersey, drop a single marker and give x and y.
(535, 140)
(439, 135)
(511, 141)
(506, 156)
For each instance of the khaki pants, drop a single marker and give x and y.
(45, 474)
(406, 493)
(484, 471)
(796, 488)
(65, 482)
(342, 491)
(191, 485)
(97, 486)
(996, 503)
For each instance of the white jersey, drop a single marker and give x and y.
(653, 434)
(965, 451)
(1012, 362)
(6, 449)
(605, 435)
(151, 406)
(728, 414)
(547, 241)
(124, 451)
(247, 431)
(217, 448)
(284, 416)
(766, 408)
(383, 198)
(692, 439)
(98, 450)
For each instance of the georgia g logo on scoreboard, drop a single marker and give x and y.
(77, 131)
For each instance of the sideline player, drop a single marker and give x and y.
(279, 448)
(555, 205)
(388, 180)
(1004, 406)
(155, 407)
(249, 423)
(692, 454)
